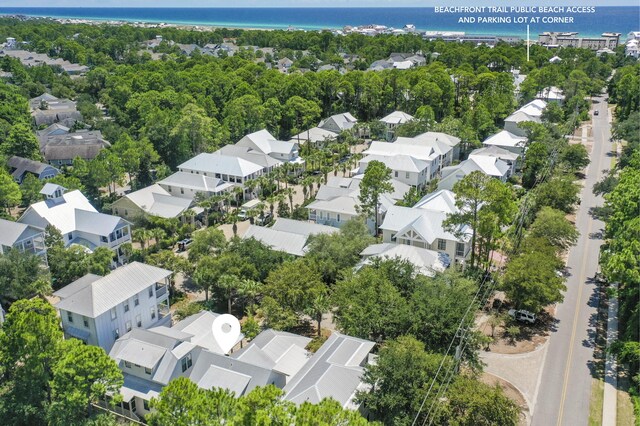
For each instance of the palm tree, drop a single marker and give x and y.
(141, 235)
(318, 307)
(250, 290)
(157, 234)
(251, 185)
(230, 284)
(289, 192)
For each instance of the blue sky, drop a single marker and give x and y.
(307, 3)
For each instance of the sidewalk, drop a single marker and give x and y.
(610, 401)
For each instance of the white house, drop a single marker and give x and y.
(508, 141)
(405, 168)
(22, 237)
(287, 235)
(437, 138)
(317, 136)
(189, 185)
(491, 166)
(502, 154)
(152, 200)
(529, 112)
(551, 94)
(98, 310)
(427, 262)
(395, 119)
(78, 221)
(150, 359)
(339, 122)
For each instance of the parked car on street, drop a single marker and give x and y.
(522, 315)
(183, 244)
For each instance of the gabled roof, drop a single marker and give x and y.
(520, 117)
(388, 149)
(344, 121)
(199, 326)
(450, 140)
(505, 138)
(439, 201)
(95, 297)
(197, 182)
(334, 371)
(302, 227)
(398, 162)
(490, 166)
(251, 155)
(534, 108)
(222, 164)
(60, 214)
(68, 146)
(495, 151)
(12, 232)
(155, 201)
(278, 240)
(266, 143)
(427, 262)
(314, 134)
(96, 223)
(22, 165)
(427, 223)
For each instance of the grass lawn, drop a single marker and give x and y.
(595, 406)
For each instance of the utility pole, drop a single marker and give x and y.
(528, 42)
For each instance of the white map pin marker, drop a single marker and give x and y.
(226, 331)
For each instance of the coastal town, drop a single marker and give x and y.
(350, 226)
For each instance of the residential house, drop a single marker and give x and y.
(339, 122)
(441, 142)
(337, 202)
(22, 237)
(98, 310)
(422, 226)
(489, 165)
(508, 141)
(32, 59)
(62, 149)
(153, 201)
(427, 262)
(529, 112)
(263, 142)
(551, 94)
(334, 371)
(19, 167)
(189, 185)
(317, 136)
(393, 120)
(287, 235)
(47, 109)
(405, 168)
(496, 152)
(284, 65)
(78, 221)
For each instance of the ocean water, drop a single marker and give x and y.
(605, 19)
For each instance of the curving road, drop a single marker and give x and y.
(564, 389)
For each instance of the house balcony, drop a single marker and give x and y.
(116, 242)
(161, 290)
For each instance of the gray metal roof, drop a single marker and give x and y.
(222, 164)
(199, 183)
(302, 227)
(12, 232)
(156, 201)
(334, 371)
(103, 294)
(287, 242)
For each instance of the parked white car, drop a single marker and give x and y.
(523, 316)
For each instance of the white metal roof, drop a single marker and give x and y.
(439, 201)
(287, 242)
(197, 182)
(12, 232)
(222, 164)
(428, 223)
(302, 227)
(266, 143)
(405, 163)
(388, 149)
(495, 151)
(103, 294)
(155, 201)
(505, 138)
(427, 262)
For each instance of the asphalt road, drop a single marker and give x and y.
(565, 381)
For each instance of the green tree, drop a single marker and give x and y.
(30, 189)
(555, 228)
(560, 192)
(9, 191)
(21, 142)
(375, 182)
(575, 157)
(22, 275)
(30, 341)
(530, 280)
(82, 375)
(294, 286)
(400, 380)
(208, 241)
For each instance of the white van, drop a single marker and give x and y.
(244, 209)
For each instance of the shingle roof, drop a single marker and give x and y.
(22, 165)
(68, 146)
(103, 294)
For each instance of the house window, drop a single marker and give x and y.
(168, 189)
(85, 321)
(126, 306)
(153, 313)
(114, 313)
(182, 190)
(151, 291)
(116, 211)
(338, 217)
(104, 239)
(459, 249)
(128, 326)
(70, 236)
(116, 333)
(145, 403)
(69, 316)
(138, 321)
(136, 301)
(186, 363)
(147, 371)
(407, 175)
(442, 244)
(127, 364)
